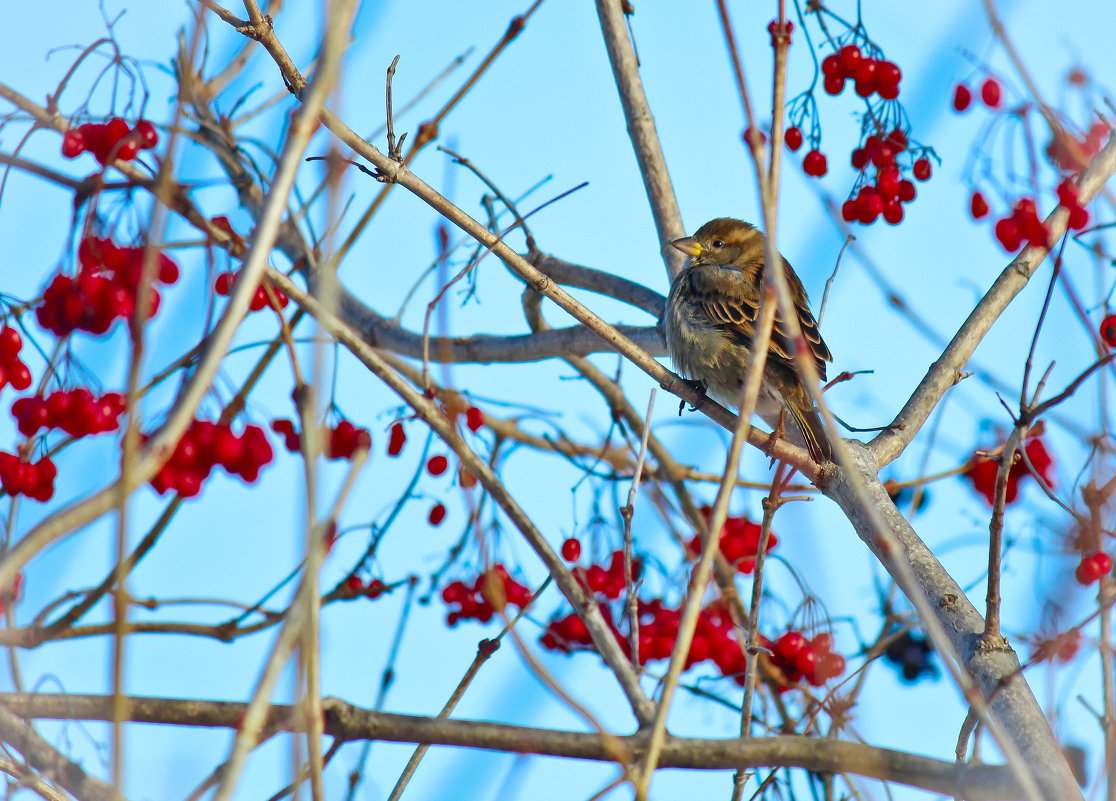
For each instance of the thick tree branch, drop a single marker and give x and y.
(348, 722)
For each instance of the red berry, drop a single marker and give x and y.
(831, 67)
(978, 206)
(815, 163)
(849, 211)
(396, 440)
(1087, 571)
(962, 97)
(892, 212)
(19, 376)
(922, 169)
(73, 143)
(146, 134)
(222, 285)
(990, 92)
(437, 514)
(888, 74)
(907, 191)
(571, 550)
(833, 85)
(860, 158)
(1107, 331)
(793, 137)
(436, 465)
(474, 418)
(1102, 561)
(788, 647)
(850, 57)
(354, 585)
(10, 343)
(1007, 232)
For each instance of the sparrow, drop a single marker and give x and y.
(710, 320)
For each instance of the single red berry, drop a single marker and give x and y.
(571, 550)
(793, 137)
(1007, 232)
(831, 67)
(474, 418)
(10, 342)
(978, 206)
(1108, 330)
(892, 212)
(146, 134)
(907, 191)
(73, 143)
(990, 92)
(436, 465)
(354, 585)
(833, 85)
(1087, 571)
(962, 97)
(815, 164)
(437, 513)
(849, 211)
(1103, 562)
(922, 169)
(222, 285)
(850, 57)
(397, 439)
(788, 646)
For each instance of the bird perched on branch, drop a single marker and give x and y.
(710, 321)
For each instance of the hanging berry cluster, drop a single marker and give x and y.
(799, 658)
(78, 412)
(870, 75)
(206, 445)
(488, 593)
(104, 290)
(884, 195)
(111, 140)
(224, 282)
(33, 479)
(342, 441)
(740, 541)
(12, 369)
(981, 471)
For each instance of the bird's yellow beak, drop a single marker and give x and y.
(688, 246)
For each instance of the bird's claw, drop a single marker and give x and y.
(699, 388)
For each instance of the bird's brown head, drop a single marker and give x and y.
(723, 241)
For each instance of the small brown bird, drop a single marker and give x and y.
(710, 320)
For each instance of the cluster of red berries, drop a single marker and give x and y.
(886, 196)
(990, 94)
(342, 441)
(811, 659)
(871, 75)
(355, 586)
(224, 282)
(12, 369)
(1063, 646)
(981, 471)
(1067, 152)
(206, 445)
(33, 479)
(111, 140)
(911, 653)
(610, 581)
(104, 290)
(1022, 225)
(740, 541)
(491, 591)
(1108, 330)
(78, 412)
(1092, 567)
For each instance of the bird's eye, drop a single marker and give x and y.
(717, 243)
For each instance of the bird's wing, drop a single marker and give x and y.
(729, 297)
